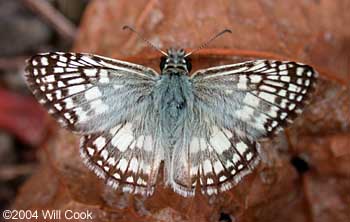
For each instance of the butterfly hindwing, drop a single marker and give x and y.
(217, 161)
(124, 158)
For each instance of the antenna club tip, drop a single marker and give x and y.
(228, 31)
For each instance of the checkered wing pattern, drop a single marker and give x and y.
(102, 99)
(84, 92)
(234, 106)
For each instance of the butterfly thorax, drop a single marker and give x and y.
(174, 94)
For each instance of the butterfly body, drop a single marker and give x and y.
(205, 127)
(174, 98)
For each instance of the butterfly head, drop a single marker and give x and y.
(176, 59)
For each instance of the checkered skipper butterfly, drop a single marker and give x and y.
(204, 126)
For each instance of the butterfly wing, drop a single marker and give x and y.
(89, 93)
(107, 100)
(126, 160)
(234, 106)
(217, 160)
(256, 97)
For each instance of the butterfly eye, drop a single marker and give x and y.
(188, 64)
(162, 62)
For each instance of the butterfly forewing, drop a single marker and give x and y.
(85, 91)
(260, 96)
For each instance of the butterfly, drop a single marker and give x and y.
(205, 127)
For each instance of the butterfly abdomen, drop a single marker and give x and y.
(174, 98)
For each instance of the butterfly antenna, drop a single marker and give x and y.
(209, 41)
(145, 40)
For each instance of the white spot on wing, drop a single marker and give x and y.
(207, 167)
(300, 71)
(307, 82)
(267, 96)
(92, 93)
(255, 78)
(99, 106)
(122, 164)
(139, 141)
(58, 70)
(235, 158)
(249, 156)
(44, 61)
(71, 70)
(283, 72)
(104, 154)
(194, 145)
(58, 106)
(291, 106)
(69, 103)
(251, 100)
(245, 113)
(75, 89)
(49, 78)
(241, 147)
(100, 142)
(218, 168)
(285, 78)
(282, 67)
(283, 115)
(90, 151)
(75, 81)
(61, 64)
(133, 165)
(111, 161)
(62, 58)
(267, 88)
(219, 141)
(282, 92)
(117, 176)
(43, 71)
(90, 72)
(299, 98)
(123, 138)
(294, 88)
(210, 181)
(272, 77)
